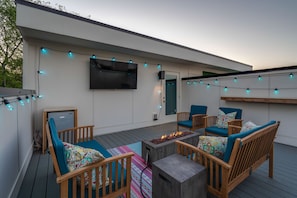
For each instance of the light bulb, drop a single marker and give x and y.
(70, 54)
(21, 101)
(8, 105)
(247, 91)
(260, 77)
(276, 91)
(28, 99)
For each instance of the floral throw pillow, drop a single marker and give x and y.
(223, 119)
(248, 126)
(77, 157)
(213, 145)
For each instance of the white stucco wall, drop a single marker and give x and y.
(66, 83)
(258, 113)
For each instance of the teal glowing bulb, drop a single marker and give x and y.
(43, 50)
(248, 91)
(70, 54)
(276, 91)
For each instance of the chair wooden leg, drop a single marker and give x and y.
(271, 162)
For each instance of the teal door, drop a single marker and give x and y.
(170, 97)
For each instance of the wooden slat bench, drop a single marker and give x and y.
(249, 151)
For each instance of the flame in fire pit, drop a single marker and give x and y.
(173, 135)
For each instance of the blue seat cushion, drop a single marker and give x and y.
(58, 147)
(185, 123)
(217, 130)
(197, 109)
(233, 137)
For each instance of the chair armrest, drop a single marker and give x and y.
(236, 122)
(77, 134)
(234, 126)
(181, 116)
(232, 129)
(209, 121)
(217, 169)
(197, 120)
(107, 182)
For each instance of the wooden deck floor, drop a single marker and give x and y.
(39, 181)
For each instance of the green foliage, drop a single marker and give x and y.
(11, 45)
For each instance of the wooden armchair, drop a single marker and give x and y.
(192, 120)
(233, 125)
(112, 175)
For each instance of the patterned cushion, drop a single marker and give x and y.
(248, 126)
(213, 145)
(78, 157)
(223, 119)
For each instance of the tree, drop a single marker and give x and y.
(11, 45)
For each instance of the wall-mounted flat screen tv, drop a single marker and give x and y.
(105, 74)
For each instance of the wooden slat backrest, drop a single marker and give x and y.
(102, 166)
(249, 152)
(77, 134)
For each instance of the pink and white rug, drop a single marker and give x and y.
(139, 188)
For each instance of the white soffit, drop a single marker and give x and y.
(53, 25)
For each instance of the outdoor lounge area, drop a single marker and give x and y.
(123, 93)
(40, 178)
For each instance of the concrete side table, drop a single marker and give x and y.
(176, 176)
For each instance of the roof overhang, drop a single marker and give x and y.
(44, 23)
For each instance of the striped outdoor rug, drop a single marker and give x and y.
(138, 166)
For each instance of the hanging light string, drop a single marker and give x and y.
(22, 100)
(260, 78)
(72, 54)
(159, 67)
(215, 82)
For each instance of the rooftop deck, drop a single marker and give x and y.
(39, 181)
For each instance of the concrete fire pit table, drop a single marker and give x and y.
(152, 152)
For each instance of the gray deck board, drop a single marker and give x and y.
(28, 182)
(40, 179)
(52, 187)
(40, 183)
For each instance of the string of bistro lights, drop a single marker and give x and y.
(216, 83)
(22, 100)
(8, 102)
(71, 54)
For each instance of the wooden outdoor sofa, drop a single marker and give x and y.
(112, 174)
(245, 152)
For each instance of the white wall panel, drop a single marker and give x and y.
(259, 113)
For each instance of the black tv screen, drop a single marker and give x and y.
(105, 74)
